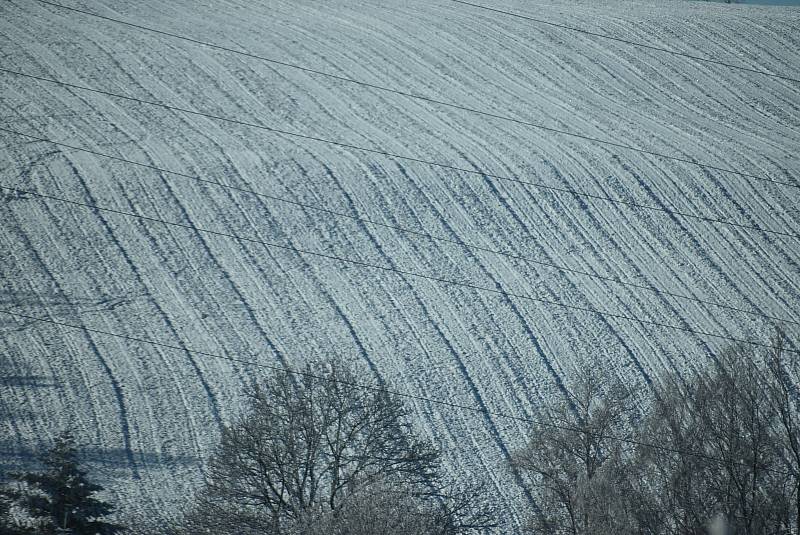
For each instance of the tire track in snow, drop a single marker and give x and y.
(601, 319)
(140, 279)
(116, 388)
(473, 388)
(628, 263)
(633, 69)
(209, 253)
(9, 415)
(206, 248)
(193, 426)
(539, 350)
(185, 216)
(383, 119)
(369, 232)
(697, 246)
(128, 259)
(255, 263)
(420, 193)
(239, 294)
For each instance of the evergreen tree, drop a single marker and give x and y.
(62, 498)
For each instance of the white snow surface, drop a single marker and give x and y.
(150, 415)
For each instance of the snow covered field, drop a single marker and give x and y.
(151, 413)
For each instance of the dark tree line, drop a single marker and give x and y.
(713, 450)
(715, 447)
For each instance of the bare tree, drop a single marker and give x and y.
(379, 509)
(783, 389)
(319, 452)
(575, 465)
(728, 443)
(720, 446)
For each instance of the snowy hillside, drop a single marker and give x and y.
(152, 412)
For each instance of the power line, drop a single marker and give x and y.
(360, 263)
(406, 158)
(404, 229)
(421, 398)
(425, 98)
(373, 388)
(626, 41)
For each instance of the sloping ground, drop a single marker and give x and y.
(151, 413)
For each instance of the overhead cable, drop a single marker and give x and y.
(459, 242)
(433, 278)
(482, 173)
(373, 388)
(431, 100)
